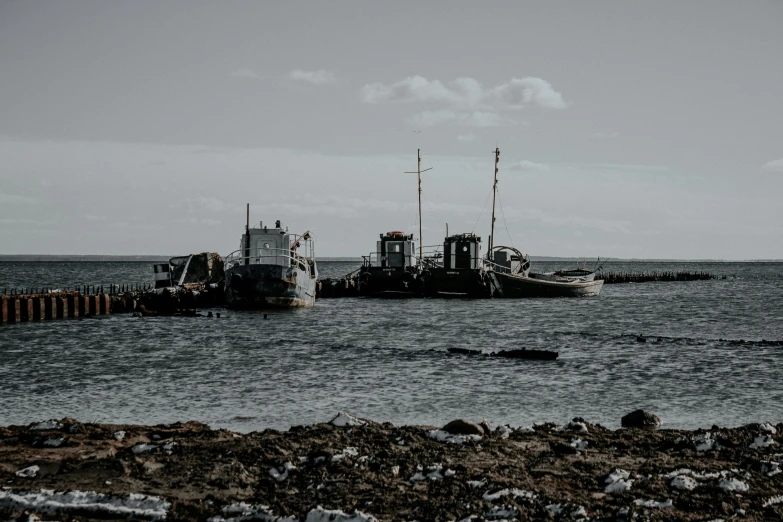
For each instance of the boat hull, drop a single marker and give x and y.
(464, 283)
(516, 286)
(396, 282)
(257, 286)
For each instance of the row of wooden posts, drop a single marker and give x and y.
(610, 278)
(41, 307)
(82, 289)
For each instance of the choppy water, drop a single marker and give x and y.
(387, 359)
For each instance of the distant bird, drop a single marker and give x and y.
(416, 132)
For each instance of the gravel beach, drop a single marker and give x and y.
(356, 469)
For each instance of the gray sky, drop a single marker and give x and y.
(626, 129)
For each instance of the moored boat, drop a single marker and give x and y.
(458, 271)
(392, 270)
(508, 282)
(517, 286)
(272, 268)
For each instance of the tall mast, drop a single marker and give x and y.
(494, 192)
(418, 173)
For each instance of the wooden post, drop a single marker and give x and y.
(3, 310)
(105, 302)
(26, 306)
(92, 300)
(39, 308)
(73, 305)
(50, 307)
(62, 307)
(84, 307)
(14, 310)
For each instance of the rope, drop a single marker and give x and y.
(504, 221)
(482, 213)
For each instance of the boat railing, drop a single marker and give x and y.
(268, 256)
(495, 267)
(374, 259)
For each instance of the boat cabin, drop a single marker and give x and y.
(395, 250)
(263, 245)
(462, 252)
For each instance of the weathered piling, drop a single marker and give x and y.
(346, 286)
(610, 278)
(39, 305)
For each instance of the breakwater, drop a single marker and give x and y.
(348, 285)
(610, 278)
(39, 304)
(19, 305)
(22, 308)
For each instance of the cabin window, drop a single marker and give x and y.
(394, 248)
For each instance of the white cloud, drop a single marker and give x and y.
(203, 204)
(775, 165)
(14, 199)
(467, 137)
(467, 92)
(520, 92)
(315, 77)
(411, 89)
(245, 73)
(463, 119)
(528, 165)
(631, 166)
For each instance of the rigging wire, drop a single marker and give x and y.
(502, 213)
(482, 212)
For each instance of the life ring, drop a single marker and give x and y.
(395, 233)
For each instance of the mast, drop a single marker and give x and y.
(247, 236)
(494, 193)
(418, 173)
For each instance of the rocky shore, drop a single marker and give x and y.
(359, 470)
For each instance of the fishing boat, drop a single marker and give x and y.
(272, 268)
(457, 271)
(507, 282)
(392, 270)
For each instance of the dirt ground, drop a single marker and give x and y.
(373, 471)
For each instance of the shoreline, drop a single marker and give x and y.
(357, 469)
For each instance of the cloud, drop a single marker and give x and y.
(203, 204)
(773, 166)
(245, 73)
(466, 92)
(467, 137)
(462, 119)
(14, 199)
(604, 135)
(520, 92)
(631, 166)
(315, 77)
(528, 165)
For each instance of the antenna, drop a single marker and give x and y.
(494, 193)
(418, 172)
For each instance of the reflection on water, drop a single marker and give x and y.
(387, 360)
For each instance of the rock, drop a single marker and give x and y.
(486, 427)
(463, 427)
(640, 419)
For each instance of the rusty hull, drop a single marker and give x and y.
(264, 286)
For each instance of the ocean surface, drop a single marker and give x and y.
(708, 359)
